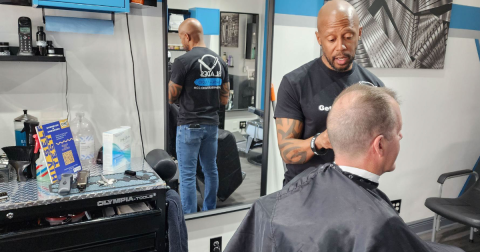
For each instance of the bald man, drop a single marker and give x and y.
(338, 206)
(199, 81)
(305, 95)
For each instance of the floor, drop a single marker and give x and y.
(456, 235)
(249, 190)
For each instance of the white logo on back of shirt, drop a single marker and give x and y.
(324, 108)
(210, 71)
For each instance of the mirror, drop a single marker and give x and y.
(229, 53)
(238, 48)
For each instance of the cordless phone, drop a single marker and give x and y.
(25, 36)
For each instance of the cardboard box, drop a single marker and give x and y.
(117, 148)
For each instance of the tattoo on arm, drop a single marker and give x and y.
(174, 91)
(225, 93)
(292, 149)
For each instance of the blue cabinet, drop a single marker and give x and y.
(209, 18)
(88, 5)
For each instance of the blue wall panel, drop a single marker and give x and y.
(477, 42)
(209, 18)
(298, 7)
(465, 17)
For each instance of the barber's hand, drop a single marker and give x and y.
(323, 141)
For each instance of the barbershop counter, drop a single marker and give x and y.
(128, 214)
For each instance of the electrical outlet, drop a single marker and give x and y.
(243, 124)
(397, 204)
(216, 244)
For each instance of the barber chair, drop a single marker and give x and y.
(163, 164)
(230, 174)
(255, 136)
(464, 209)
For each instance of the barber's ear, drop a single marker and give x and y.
(318, 38)
(379, 145)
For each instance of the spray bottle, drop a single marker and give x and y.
(41, 165)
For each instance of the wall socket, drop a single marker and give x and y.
(216, 244)
(397, 204)
(243, 124)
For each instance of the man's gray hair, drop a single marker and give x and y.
(367, 115)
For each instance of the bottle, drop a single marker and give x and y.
(84, 138)
(41, 41)
(224, 57)
(230, 60)
(40, 164)
(18, 123)
(253, 53)
(50, 48)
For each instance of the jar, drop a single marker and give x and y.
(4, 49)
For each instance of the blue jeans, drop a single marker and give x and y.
(193, 144)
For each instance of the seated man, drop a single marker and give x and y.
(337, 207)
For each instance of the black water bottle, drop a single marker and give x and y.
(42, 41)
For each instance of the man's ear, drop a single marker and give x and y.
(360, 33)
(317, 34)
(379, 145)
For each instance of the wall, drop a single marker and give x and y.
(200, 231)
(439, 109)
(100, 80)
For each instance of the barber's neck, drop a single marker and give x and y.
(198, 44)
(364, 163)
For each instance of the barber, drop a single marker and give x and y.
(199, 81)
(306, 95)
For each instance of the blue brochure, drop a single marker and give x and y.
(59, 149)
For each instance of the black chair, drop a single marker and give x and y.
(163, 164)
(464, 209)
(228, 160)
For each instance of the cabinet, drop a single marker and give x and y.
(23, 215)
(89, 5)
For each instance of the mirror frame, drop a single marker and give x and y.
(267, 69)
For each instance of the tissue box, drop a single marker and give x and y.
(117, 145)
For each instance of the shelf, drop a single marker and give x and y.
(146, 4)
(35, 58)
(177, 50)
(18, 3)
(170, 31)
(179, 11)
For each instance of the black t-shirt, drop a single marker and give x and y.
(201, 73)
(307, 94)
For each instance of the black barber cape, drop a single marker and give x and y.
(324, 209)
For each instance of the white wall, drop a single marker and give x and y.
(200, 231)
(440, 117)
(99, 74)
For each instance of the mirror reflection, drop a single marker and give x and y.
(215, 121)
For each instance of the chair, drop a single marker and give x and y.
(464, 209)
(228, 160)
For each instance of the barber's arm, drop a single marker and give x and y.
(225, 90)
(174, 91)
(224, 93)
(177, 80)
(289, 121)
(292, 149)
